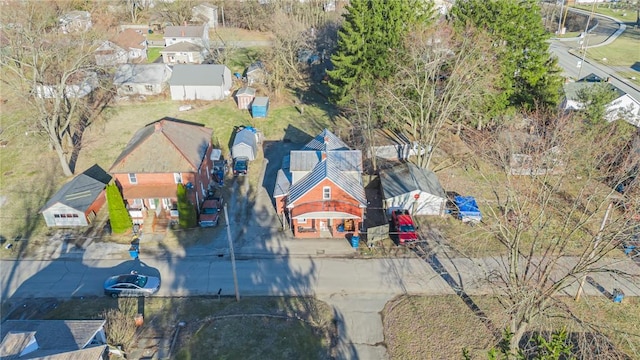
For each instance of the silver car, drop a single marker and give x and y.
(131, 285)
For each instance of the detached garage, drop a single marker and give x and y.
(200, 82)
(245, 144)
(412, 188)
(78, 201)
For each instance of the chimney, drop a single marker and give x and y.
(158, 126)
(182, 32)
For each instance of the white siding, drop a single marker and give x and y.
(427, 204)
(188, 92)
(58, 215)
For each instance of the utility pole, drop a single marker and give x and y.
(560, 20)
(593, 251)
(586, 40)
(233, 257)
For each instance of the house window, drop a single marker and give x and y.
(133, 179)
(128, 88)
(302, 221)
(177, 177)
(137, 203)
(326, 193)
(148, 87)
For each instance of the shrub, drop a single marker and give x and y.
(186, 210)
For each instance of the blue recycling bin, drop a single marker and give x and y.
(618, 295)
(629, 249)
(355, 241)
(134, 251)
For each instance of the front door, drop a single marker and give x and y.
(323, 225)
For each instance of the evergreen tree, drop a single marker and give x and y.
(186, 211)
(530, 76)
(372, 31)
(118, 214)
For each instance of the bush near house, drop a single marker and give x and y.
(118, 214)
(186, 211)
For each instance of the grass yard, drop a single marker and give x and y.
(237, 34)
(440, 327)
(254, 328)
(617, 11)
(153, 53)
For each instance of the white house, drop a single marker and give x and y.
(75, 21)
(141, 79)
(200, 82)
(205, 13)
(79, 85)
(408, 187)
(198, 35)
(623, 107)
(183, 53)
(128, 46)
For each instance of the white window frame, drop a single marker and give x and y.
(133, 179)
(326, 193)
(137, 203)
(302, 221)
(177, 177)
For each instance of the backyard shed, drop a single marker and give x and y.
(245, 144)
(408, 187)
(200, 82)
(244, 97)
(78, 201)
(259, 107)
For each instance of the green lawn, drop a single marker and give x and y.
(617, 11)
(153, 53)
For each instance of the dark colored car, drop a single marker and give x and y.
(240, 166)
(131, 285)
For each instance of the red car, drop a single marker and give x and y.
(403, 225)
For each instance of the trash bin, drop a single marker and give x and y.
(134, 251)
(355, 240)
(629, 249)
(618, 295)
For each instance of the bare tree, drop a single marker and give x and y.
(175, 12)
(556, 221)
(55, 74)
(442, 78)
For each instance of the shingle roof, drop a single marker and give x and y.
(326, 141)
(82, 190)
(203, 74)
(571, 90)
(129, 39)
(183, 31)
(405, 178)
(56, 339)
(329, 168)
(141, 74)
(165, 146)
(182, 46)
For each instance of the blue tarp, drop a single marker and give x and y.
(467, 208)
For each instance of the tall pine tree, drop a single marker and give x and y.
(530, 75)
(372, 31)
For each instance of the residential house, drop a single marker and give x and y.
(624, 106)
(78, 201)
(78, 85)
(205, 13)
(194, 34)
(183, 53)
(320, 189)
(141, 79)
(390, 145)
(200, 82)
(409, 187)
(128, 46)
(53, 339)
(76, 20)
(157, 158)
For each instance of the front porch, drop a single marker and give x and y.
(324, 228)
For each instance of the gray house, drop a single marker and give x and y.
(78, 201)
(200, 82)
(53, 339)
(408, 187)
(183, 53)
(141, 79)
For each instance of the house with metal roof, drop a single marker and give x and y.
(158, 157)
(320, 189)
(78, 201)
(409, 187)
(53, 339)
(200, 82)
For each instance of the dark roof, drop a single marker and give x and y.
(326, 141)
(258, 65)
(405, 178)
(165, 146)
(202, 74)
(591, 78)
(56, 339)
(82, 191)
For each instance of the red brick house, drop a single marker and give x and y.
(320, 189)
(157, 158)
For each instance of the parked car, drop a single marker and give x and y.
(132, 284)
(210, 212)
(240, 166)
(403, 224)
